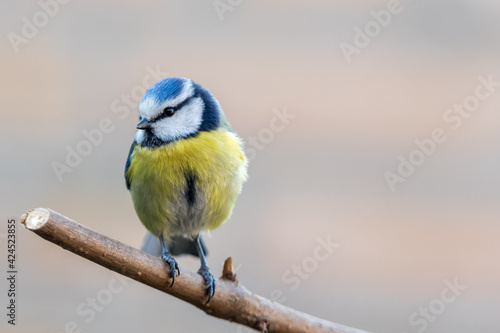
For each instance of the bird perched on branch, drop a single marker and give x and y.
(184, 170)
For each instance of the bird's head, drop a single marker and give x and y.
(176, 108)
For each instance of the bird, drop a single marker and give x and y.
(185, 169)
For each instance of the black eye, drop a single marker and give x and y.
(168, 112)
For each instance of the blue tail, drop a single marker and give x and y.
(176, 246)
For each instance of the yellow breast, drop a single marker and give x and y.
(159, 177)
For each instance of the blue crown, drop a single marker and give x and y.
(165, 89)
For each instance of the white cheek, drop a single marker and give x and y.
(184, 122)
(139, 136)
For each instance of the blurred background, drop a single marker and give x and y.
(356, 93)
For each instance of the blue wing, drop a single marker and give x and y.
(127, 165)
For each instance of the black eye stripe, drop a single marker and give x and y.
(185, 102)
(174, 108)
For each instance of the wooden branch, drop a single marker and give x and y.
(231, 301)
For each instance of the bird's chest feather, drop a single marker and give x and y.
(188, 185)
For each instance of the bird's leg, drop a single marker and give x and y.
(205, 271)
(165, 255)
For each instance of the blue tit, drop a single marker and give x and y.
(185, 169)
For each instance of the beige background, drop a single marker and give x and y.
(322, 175)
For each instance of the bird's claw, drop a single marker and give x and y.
(174, 266)
(209, 281)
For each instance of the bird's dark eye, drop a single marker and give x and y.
(168, 112)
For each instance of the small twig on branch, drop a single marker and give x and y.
(231, 301)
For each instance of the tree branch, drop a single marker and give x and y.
(231, 301)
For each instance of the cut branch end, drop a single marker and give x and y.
(36, 218)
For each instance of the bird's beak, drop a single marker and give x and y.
(144, 124)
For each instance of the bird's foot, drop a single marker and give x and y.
(209, 281)
(174, 266)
